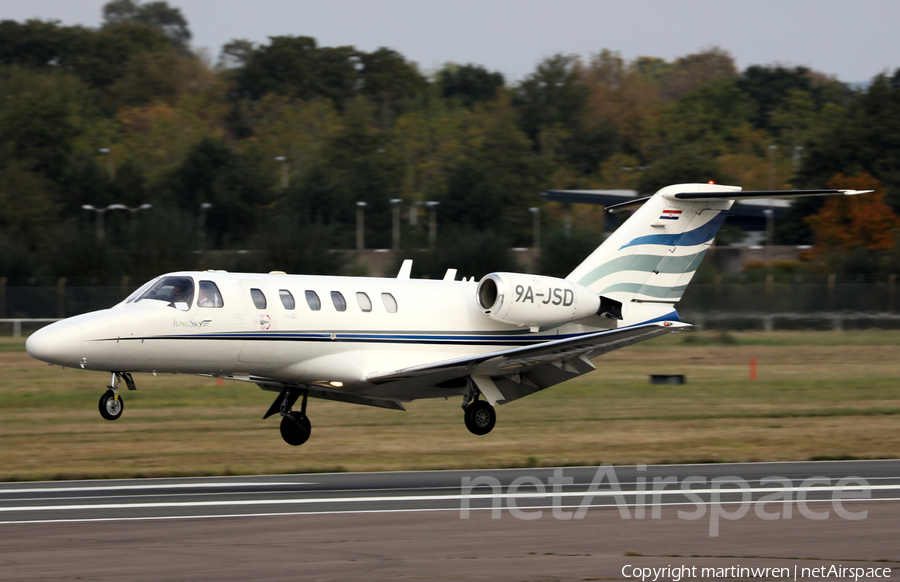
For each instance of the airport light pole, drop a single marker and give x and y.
(110, 163)
(535, 230)
(285, 179)
(201, 226)
(770, 211)
(432, 223)
(100, 212)
(798, 155)
(395, 211)
(414, 212)
(133, 211)
(360, 225)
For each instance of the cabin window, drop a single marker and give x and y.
(209, 295)
(178, 292)
(340, 303)
(286, 299)
(259, 298)
(364, 302)
(312, 299)
(389, 302)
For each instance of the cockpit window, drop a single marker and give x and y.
(178, 292)
(140, 290)
(209, 295)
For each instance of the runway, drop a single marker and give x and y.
(571, 523)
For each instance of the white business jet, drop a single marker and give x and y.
(383, 342)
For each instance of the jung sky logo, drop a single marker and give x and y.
(190, 323)
(721, 498)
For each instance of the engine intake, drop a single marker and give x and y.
(534, 300)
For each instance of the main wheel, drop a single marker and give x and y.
(111, 407)
(295, 429)
(480, 417)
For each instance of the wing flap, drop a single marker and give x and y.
(520, 371)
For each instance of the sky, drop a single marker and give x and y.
(852, 40)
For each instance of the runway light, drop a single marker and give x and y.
(711, 182)
(336, 384)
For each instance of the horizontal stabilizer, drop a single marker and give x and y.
(751, 194)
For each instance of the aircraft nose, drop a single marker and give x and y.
(58, 343)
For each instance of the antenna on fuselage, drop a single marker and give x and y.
(405, 269)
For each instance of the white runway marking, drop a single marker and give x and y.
(454, 497)
(417, 510)
(137, 487)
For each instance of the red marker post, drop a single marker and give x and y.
(753, 369)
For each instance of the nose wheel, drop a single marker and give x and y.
(111, 405)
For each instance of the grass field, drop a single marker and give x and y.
(828, 395)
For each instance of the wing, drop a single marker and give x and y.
(508, 375)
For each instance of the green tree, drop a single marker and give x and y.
(41, 115)
(234, 185)
(553, 94)
(770, 89)
(562, 252)
(296, 67)
(389, 80)
(472, 200)
(706, 118)
(865, 139)
(468, 83)
(157, 15)
(471, 252)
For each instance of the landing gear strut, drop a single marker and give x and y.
(295, 425)
(111, 404)
(479, 415)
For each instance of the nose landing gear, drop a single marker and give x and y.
(111, 404)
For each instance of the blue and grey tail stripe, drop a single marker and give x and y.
(698, 236)
(660, 264)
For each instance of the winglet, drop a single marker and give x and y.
(405, 269)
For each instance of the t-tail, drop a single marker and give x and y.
(644, 267)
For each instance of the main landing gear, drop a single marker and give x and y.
(479, 415)
(295, 425)
(111, 404)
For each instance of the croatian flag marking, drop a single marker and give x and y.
(671, 214)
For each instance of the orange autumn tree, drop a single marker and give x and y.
(852, 224)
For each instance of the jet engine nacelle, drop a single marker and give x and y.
(534, 300)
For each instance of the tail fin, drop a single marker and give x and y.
(652, 257)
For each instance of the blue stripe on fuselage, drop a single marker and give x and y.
(393, 338)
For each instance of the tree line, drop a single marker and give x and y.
(270, 147)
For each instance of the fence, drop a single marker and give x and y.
(735, 302)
